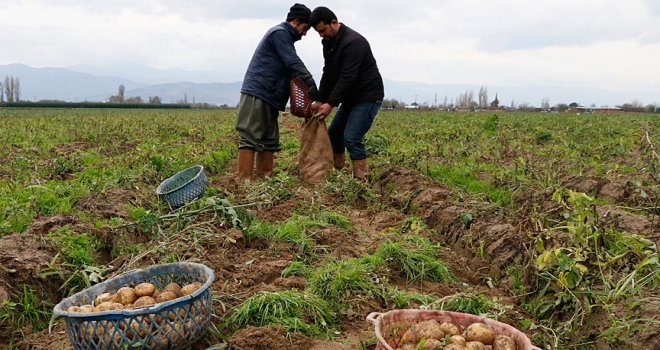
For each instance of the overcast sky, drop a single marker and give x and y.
(609, 44)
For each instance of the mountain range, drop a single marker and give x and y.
(97, 83)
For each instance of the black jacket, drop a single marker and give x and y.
(350, 75)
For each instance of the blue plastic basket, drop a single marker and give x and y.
(183, 187)
(174, 324)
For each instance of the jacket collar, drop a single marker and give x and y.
(294, 33)
(332, 43)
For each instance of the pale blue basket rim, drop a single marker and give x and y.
(151, 309)
(166, 181)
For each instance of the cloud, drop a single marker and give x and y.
(605, 43)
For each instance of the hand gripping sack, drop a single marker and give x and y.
(301, 104)
(315, 157)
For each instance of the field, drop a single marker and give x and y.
(547, 222)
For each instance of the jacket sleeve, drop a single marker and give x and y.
(352, 57)
(287, 52)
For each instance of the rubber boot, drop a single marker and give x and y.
(360, 169)
(339, 160)
(264, 166)
(245, 163)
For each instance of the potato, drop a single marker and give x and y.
(125, 296)
(502, 342)
(457, 339)
(144, 301)
(165, 296)
(408, 346)
(488, 347)
(475, 345)
(73, 309)
(144, 290)
(138, 328)
(172, 287)
(158, 342)
(91, 332)
(426, 329)
(480, 332)
(87, 308)
(111, 338)
(449, 328)
(171, 314)
(102, 298)
(107, 306)
(432, 344)
(454, 346)
(189, 289)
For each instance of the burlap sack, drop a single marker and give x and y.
(315, 150)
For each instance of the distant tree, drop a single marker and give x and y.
(155, 100)
(545, 104)
(574, 105)
(390, 103)
(134, 100)
(483, 97)
(17, 90)
(184, 100)
(466, 100)
(119, 97)
(9, 88)
(561, 107)
(637, 104)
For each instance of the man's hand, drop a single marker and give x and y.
(323, 110)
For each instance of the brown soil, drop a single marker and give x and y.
(243, 268)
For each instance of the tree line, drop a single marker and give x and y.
(10, 89)
(469, 99)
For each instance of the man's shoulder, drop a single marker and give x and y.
(351, 34)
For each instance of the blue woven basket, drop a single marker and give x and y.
(174, 324)
(183, 187)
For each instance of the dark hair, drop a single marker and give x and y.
(321, 14)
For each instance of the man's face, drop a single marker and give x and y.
(327, 31)
(301, 28)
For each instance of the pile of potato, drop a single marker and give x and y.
(433, 335)
(144, 294)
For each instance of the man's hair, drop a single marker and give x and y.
(321, 14)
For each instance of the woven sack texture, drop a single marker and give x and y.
(315, 150)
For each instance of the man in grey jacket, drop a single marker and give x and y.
(266, 90)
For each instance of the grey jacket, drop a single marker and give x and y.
(273, 65)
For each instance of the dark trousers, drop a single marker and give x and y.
(257, 125)
(348, 127)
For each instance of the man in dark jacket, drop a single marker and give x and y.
(265, 92)
(350, 78)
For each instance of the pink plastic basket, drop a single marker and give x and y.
(391, 326)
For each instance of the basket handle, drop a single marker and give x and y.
(372, 317)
